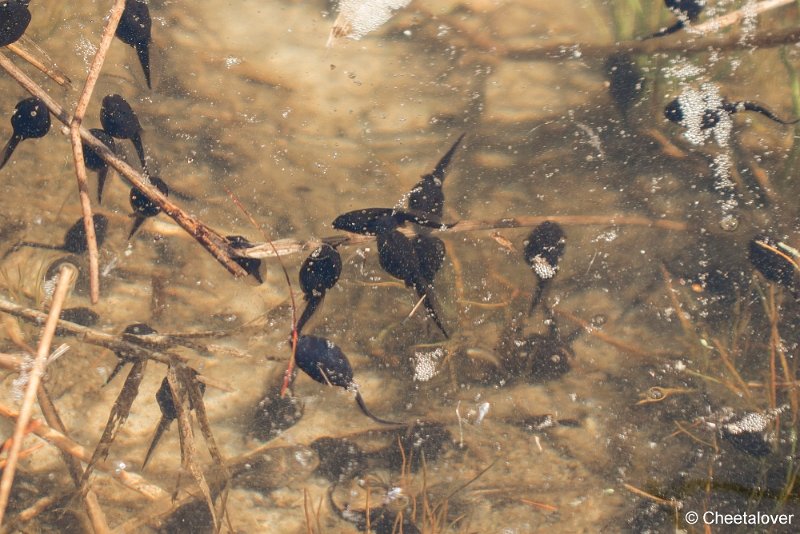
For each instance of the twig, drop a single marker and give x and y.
(292, 246)
(77, 147)
(53, 73)
(729, 19)
(211, 240)
(64, 443)
(66, 277)
(684, 43)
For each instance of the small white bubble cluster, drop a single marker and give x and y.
(542, 268)
(694, 104)
(425, 364)
(748, 424)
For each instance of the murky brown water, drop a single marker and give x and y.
(247, 97)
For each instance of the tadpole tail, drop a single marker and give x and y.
(136, 139)
(163, 425)
(137, 222)
(441, 167)
(143, 51)
(365, 410)
(31, 244)
(9, 149)
(102, 174)
(537, 296)
(117, 369)
(311, 306)
(758, 108)
(426, 290)
(666, 31)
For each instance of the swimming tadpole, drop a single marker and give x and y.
(14, 20)
(427, 195)
(543, 249)
(30, 120)
(143, 207)
(319, 272)
(398, 257)
(134, 30)
(95, 163)
(74, 239)
(120, 121)
(325, 363)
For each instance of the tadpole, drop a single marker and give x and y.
(430, 251)
(251, 266)
(370, 221)
(30, 120)
(134, 30)
(427, 196)
(168, 414)
(675, 112)
(14, 20)
(124, 357)
(325, 363)
(625, 81)
(398, 258)
(120, 121)
(685, 10)
(95, 163)
(319, 273)
(74, 239)
(543, 248)
(143, 207)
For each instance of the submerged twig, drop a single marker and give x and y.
(51, 72)
(66, 278)
(293, 246)
(77, 146)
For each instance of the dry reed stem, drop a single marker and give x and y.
(292, 246)
(211, 240)
(77, 147)
(64, 443)
(59, 77)
(599, 334)
(66, 277)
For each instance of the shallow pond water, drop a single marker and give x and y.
(617, 405)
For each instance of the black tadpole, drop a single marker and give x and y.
(137, 329)
(775, 261)
(319, 273)
(325, 363)
(427, 196)
(143, 207)
(168, 414)
(398, 258)
(430, 251)
(120, 121)
(74, 239)
(30, 120)
(543, 248)
(94, 162)
(674, 112)
(14, 20)
(251, 266)
(625, 81)
(371, 221)
(134, 30)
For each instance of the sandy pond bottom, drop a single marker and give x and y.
(248, 98)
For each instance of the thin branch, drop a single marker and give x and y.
(51, 72)
(211, 240)
(293, 246)
(64, 443)
(729, 19)
(77, 147)
(679, 42)
(66, 277)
